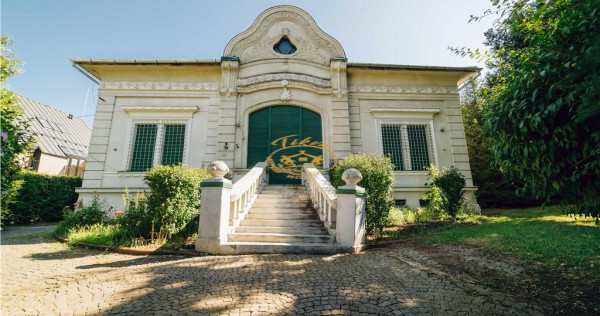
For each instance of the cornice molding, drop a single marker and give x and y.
(144, 85)
(403, 89)
(161, 108)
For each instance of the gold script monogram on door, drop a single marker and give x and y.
(292, 153)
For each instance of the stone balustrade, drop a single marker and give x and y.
(322, 194)
(245, 191)
(224, 205)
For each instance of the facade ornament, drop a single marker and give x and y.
(339, 81)
(218, 169)
(286, 95)
(403, 89)
(229, 72)
(321, 83)
(144, 85)
(312, 43)
(352, 177)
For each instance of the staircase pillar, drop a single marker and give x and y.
(214, 210)
(350, 227)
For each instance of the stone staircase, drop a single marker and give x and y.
(282, 220)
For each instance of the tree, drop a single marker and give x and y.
(493, 188)
(541, 108)
(15, 140)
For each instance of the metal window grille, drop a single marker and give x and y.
(173, 144)
(419, 149)
(409, 146)
(143, 149)
(391, 139)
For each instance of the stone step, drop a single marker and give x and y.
(288, 216)
(281, 222)
(272, 210)
(271, 190)
(240, 248)
(278, 197)
(282, 238)
(282, 230)
(286, 204)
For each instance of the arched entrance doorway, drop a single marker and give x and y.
(286, 137)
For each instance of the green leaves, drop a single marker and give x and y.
(541, 103)
(378, 178)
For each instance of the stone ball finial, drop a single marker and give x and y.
(218, 169)
(351, 177)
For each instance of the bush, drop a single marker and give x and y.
(447, 190)
(95, 213)
(378, 178)
(174, 201)
(136, 221)
(43, 197)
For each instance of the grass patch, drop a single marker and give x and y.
(106, 235)
(541, 235)
(114, 235)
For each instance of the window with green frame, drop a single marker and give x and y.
(409, 146)
(145, 147)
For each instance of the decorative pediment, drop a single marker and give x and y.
(284, 32)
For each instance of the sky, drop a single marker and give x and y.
(48, 33)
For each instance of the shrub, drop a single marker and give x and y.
(447, 190)
(136, 221)
(378, 178)
(95, 213)
(175, 198)
(43, 197)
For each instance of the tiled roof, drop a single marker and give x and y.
(62, 131)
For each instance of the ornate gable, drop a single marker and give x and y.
(284, 32)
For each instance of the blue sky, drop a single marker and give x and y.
(48, 33)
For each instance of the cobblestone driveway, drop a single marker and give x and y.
(46, 278)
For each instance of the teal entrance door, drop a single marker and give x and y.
(286, 137)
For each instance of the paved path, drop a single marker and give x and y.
(41, 277)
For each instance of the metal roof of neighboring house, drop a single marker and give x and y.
(57, 133)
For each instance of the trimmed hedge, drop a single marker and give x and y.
(378, 178)
(43, 197)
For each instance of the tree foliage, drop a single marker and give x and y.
(14, 139)
(541, 107)
(494, 189)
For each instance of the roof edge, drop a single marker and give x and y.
(414, 67)
(86, 61)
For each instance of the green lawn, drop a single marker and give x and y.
(536, 234)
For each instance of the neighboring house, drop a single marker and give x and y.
(284, 93)
(62, 139)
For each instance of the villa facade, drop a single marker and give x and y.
(283, 92)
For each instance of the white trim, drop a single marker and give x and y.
(400, 110)
(159, 142)
(431, 146)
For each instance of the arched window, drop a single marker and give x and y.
(284, 46)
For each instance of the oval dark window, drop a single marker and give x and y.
(284, 46)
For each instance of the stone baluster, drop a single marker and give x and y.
(214, 210)
(350, 230)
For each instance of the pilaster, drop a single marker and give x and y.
(340, 116)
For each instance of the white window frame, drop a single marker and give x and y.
(405, 143)
(160, 139)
